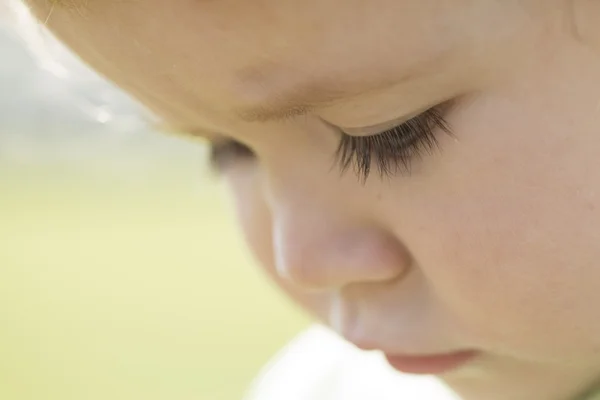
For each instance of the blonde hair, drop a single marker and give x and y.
(55, 58)
(37, 38)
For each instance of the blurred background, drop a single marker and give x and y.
(122, 274)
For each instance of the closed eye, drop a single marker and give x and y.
(225, 152)
(392, 151)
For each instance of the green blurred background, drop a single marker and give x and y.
(122, 274)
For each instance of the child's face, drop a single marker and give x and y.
(490, 243)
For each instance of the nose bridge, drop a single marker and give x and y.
(319, 246)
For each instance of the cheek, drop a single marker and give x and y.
(508, 234)
(509, 276)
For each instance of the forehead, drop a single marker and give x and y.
(218, 55)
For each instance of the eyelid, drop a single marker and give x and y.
(443, 106)
(384, 126)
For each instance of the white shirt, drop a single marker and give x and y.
(318, 365)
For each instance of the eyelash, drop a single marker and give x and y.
(391, 151)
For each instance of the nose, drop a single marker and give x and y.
(314, 251)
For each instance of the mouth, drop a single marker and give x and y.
(436, 364)
(422, 364)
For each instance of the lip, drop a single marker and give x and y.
(436, 364)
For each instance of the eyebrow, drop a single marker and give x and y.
(304, 98)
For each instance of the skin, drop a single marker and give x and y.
(489, 244)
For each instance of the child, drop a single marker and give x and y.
(422, 175)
